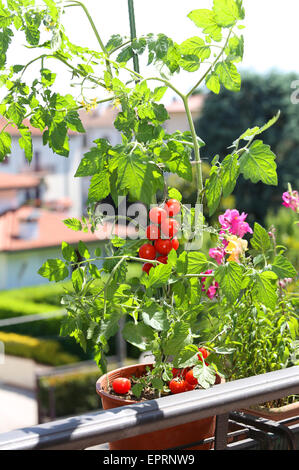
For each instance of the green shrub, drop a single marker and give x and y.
(43, 351)
(43, 294)
(74, 393)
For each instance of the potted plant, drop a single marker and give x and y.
(177, 284)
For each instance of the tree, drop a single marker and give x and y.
(225, 117)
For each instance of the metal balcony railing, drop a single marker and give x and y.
(92, 429)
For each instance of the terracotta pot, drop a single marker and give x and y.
(157, 440)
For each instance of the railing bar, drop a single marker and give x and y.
(103, 426)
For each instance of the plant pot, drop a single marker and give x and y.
(275, 414)
(158, 440)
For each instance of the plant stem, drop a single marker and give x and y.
(94, 30)
(196, 152)
(211, 67)
(133, 33)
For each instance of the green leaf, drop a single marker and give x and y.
(260, 240)
(92, 163)
(73, 224)
(230, 166)
(5, 145)
(158, 93)
(258, 164)
(136, 177)
(206, 20)
(229, 277)
(196, 46)
(188, 357)
(138, 334)
(178, 339)
(205, 375)
(99, 186)
(78, 279)
(54, 270)
(228, 75)
(25, 142)
(213, 83)
(48, 77)
(58, 138)
(156, 319)
(83, 250)
(190, 63)
(283, 267)
(265, 288)
(137, 390)
(157, 277)
(197, 262)
(227, 12)
(16, 113)
(68, 252)
(74, 122)
(173, 193)
(213, 189)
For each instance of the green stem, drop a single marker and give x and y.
(196, 152)
(94, 30)
(211, 67)
(133, 32)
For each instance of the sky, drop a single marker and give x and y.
(271, 33)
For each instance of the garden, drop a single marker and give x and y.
(212, 290)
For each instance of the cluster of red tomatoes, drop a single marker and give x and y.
(163, 225)
(183, 379)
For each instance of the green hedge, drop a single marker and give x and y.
(74, 393)
(43, 294)
(47, 352)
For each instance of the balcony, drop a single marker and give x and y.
(235, 430)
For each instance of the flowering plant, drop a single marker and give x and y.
(178, 284)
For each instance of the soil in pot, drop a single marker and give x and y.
(180, 435)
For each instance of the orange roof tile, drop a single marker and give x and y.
(18, 181)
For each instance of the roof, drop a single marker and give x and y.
(104, 117)
(18, 181)
(51, 230)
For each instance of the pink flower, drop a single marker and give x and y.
(235, 223)
(291, 200)
(212, 290)
(217, 253)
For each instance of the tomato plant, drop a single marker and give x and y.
(238, 285)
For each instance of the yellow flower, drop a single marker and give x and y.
(236, 247)
(116, 103)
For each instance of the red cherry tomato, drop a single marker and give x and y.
(147, 251)
(147, 267)
(189, 387)
(177, 385)
(190, 378)
(175, 243)
(170, 227)
(173, 207)
(204, 353)
(163, 246)
(121, 385)
(157, 214)
(153, 232)
(179, 372)
(162, 259)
